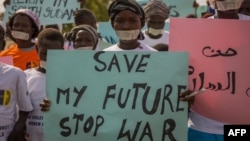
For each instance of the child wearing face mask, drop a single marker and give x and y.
(83, 37)
(156, 13)
(48, 39)
(127, 19)
(226, 9)
(23, 27)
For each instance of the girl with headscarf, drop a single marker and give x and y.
(83, 37)
(156, 13)
(127, 19)
(23, 27)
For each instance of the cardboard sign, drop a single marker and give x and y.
(219, 54)
(177, 8)
(109, 96)
(49, 11)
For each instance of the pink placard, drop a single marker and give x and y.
(219, 53)
(7, 60)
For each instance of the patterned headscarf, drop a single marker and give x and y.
(71, 36)
(156, 7)
(120, 5)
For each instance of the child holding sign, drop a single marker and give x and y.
(48, 38)
(127, 18)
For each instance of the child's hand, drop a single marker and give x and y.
(45, 105)
(190, 100)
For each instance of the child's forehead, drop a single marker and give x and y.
(126, 13)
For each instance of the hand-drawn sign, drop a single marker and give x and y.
(49, 11)
(218, 62)
(110, 96)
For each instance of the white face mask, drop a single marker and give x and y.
(155, 32)
(228, 5)
(127, 35)
(20, 35)
(84, 48)
(43, 64)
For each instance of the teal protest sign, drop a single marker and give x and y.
(107, 32)
(103, 44)
(49, 11)
(116, 96)
(177, 8)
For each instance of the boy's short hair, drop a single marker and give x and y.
(82, 15)
(50, 34)
(55, 26)
(161, 47)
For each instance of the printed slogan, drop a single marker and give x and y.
(116, 96)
